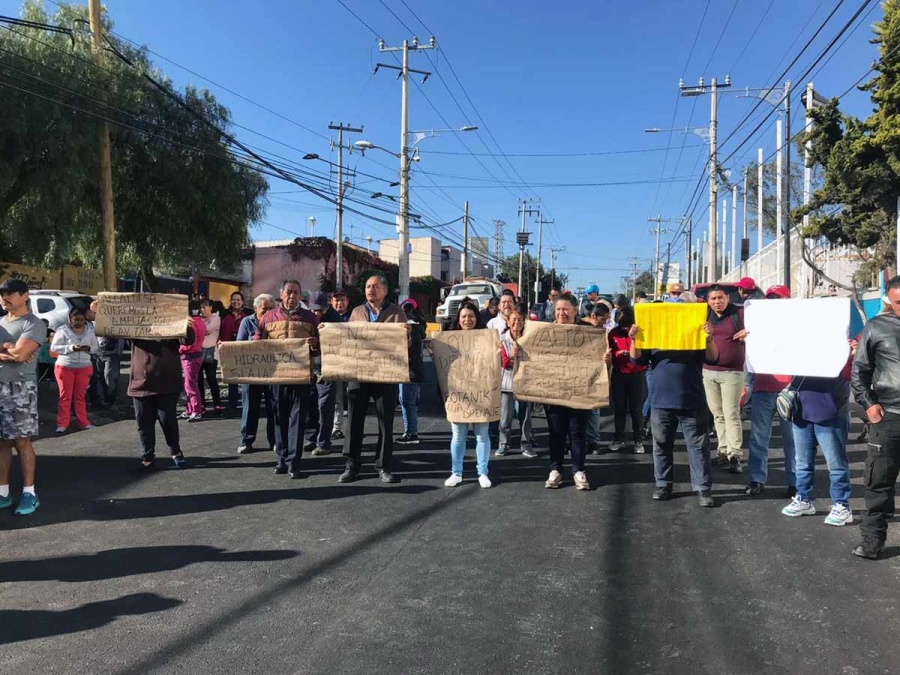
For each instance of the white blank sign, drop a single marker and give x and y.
(797, 337)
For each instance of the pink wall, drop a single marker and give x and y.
(273, 265)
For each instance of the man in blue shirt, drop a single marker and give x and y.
(677, 397)
(253, 394)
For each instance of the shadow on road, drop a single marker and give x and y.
(28, 624)
(124, 562)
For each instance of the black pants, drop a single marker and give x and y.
(385, 397)
(882, 467)
(208, 368)
(149, 409)
(291, 403)
(628, 390)
(565, 422)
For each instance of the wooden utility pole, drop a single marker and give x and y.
(110, 281)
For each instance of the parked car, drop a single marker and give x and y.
(53, 306)
(702, 290)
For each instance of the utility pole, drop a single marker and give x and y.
(658, 230)
(744, 240)
(734, 213)
(498, 240)
(725, 236)
(779, 198)
(465, 251)
(107, 211)
(403, 217)
(787, 185)
(688, 240)
(759, 211)
(522, 240)
(633, 260)
(810, 100)
(553, 252)
(537, 274)
(712, 89)
(339, 244)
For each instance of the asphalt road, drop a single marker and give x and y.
(224, 567)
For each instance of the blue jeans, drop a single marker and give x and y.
(761, 415)
(458, 446)
(645, 409)
(694, 426)
(831, 436)
(409, 407)
(593, 426)
(253, 395)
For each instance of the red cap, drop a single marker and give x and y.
(778, 291)
(747, 284)
(413, 303)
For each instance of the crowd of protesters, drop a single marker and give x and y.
(657, 391)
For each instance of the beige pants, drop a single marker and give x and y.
(723, 396)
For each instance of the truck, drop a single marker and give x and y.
(478, 289)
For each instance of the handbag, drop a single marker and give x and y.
(787, 403)
(209, 355)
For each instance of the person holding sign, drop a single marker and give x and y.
(508, 404)
(376, 309)
(254, 394)
(567, 422)
(724, 380)
(628, 385)
(291, 401)
(467, 320)
(677, 397)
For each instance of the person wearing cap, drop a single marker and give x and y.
(21, 336)
(376, 309)
(748, 290)
(491, 309)
(340, 303)
(409, 391)
(291, 401)
(591, 297)
(765, 390)
(323, 395)
(675, 289)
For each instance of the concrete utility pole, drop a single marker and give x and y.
(712, 89)
(658, 230)
(760, 197)
(633, 261)
(339, 244)
(403, 217)
(688, 241)
(725, 236)
(734, 212)
(465, 251)
(744, 234)
(787, 185)
(779, 198)
(537, 274)
(522, 241)
(553, 252)
(107, 211)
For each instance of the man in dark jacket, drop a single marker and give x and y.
(322, 397)
(376, 309)
(875, 381)
(409, 391)
(155, 384)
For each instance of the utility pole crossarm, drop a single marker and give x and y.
(339, 234)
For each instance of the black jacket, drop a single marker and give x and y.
(875, 377)
(416, 362)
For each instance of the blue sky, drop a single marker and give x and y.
(563, 77)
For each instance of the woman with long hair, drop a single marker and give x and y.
(509, 407)
(467, 319)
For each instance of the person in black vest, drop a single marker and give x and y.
(409, 391)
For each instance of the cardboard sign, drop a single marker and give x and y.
(815, 345)
(35, 277)
(562, 364)
(82, 279)
(360, 351)
(468, 370)
(266, 362)
(145, 316)
(670, 325)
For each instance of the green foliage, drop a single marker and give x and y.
(181, 196)
(858, 202)
(509, 273)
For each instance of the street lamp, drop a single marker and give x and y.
(312, 225)
(404, 215)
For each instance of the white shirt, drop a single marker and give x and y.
(497, 322)
(65, 339)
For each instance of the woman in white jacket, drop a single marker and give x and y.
(73, 344)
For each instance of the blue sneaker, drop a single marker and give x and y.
(28, 504)
(5, 502)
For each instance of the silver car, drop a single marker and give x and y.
(53, 306)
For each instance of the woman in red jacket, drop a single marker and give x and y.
(628, 383)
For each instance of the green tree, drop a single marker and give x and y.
(509, 273)
(857, 204)
(182, 197)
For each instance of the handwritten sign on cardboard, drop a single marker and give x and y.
(145, 316)
(266, 362)
(468, 370)
(360, 351)
(562, 364)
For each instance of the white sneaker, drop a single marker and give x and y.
(840, 515)
(453, 481)
(89, 426)
(554, 481)
(798, 507)
(639, 449)
(60, 430)
(483, 481)
(581, 481)
(616, 446)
